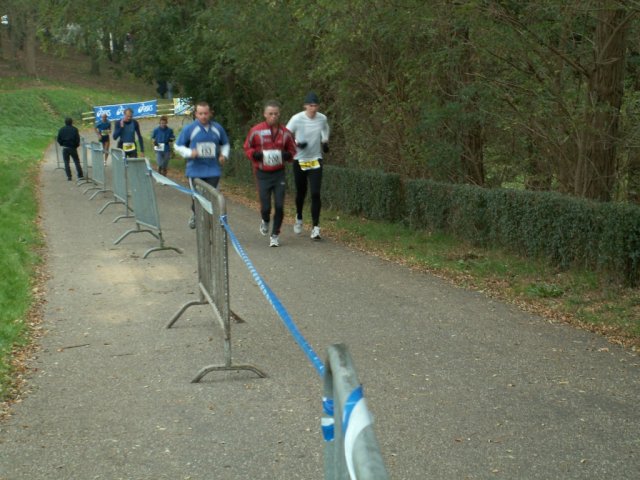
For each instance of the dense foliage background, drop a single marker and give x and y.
(541, 95)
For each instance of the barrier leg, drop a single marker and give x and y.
(218, 368)
(111, 202)
(161, 247)
(102, 190)
(134, 230)
(91, 188)
(237, 318)
(227, 349)
(157, 249)
(127, 209)
(182, 309)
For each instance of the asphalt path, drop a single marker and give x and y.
(461, 386)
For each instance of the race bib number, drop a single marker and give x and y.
(206, 149)
(128, 147)
(159, 147)
(309, 164)
(105, 132)
(272, 158)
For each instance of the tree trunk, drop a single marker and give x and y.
(16, 30)
(472, 154)
(95, 65)
(597, 166)
(538, 176)
(30, 45)
(472, 135)
(90, 48)
(5, 40)
(118, 46)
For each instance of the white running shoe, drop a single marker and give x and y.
(264, 227)
(297, 227)
(315, 233)
(274, 241)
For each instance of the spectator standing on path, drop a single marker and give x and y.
(205, 146)
(125, 132)
(162, 137)
(311, 131)
(69, 140)
(268, 146)
(103, 129)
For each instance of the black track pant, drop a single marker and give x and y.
(271, 183)
(73, 153)
(314, 179)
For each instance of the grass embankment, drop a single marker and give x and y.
(32, 113)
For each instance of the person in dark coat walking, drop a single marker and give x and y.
(69, 140)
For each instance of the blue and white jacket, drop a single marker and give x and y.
(163, 135)
(213, 141)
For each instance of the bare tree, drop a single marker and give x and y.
(597, 167)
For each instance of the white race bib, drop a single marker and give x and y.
(272, 158)
(206, 149)
(159, 147)
(105, 132)
(128, 147)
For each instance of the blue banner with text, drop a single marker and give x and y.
(116, 112)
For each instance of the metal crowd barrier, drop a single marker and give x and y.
(98, 176)
(351, 449)
(120, 183)
(213, 272)
(59, 161)
(88, 151)
(84, 158)
(145, 204)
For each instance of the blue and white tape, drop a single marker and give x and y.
(264, 288)
(206, 204)
(327, 423)
(275, 302)
(355, 418)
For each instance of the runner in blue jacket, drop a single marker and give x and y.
(162, 137)
(125, 132)
(103, 129)
(205, 146)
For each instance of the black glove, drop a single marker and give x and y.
(286, 156)
(257, 156)
(325, 147)
(302, 145)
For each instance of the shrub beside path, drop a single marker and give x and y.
(461, 386)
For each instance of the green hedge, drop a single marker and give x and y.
(239, 167)
(567, 231)
(373, 194)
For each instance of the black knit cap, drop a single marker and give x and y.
(311, 98)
